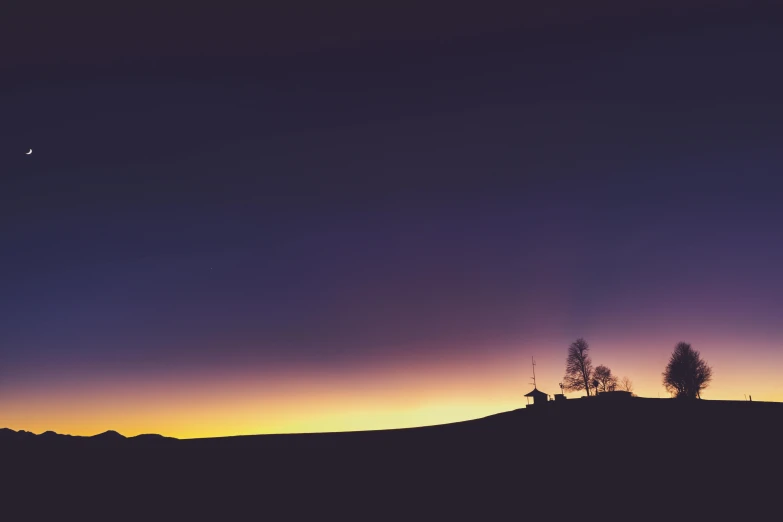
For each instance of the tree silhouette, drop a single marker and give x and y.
(686, 374)
(626, 384)
(606, 381)
(579, 367)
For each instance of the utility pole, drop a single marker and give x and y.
(534, 372)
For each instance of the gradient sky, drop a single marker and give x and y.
(332, 218)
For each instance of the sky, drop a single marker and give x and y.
(340, 217)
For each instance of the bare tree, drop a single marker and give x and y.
(606, 381)
(626, 384)
(579, 367)
(686, 374)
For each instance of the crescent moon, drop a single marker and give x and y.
(28, 153)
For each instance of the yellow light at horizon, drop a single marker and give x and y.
(393, 395)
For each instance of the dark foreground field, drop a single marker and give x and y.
(641, 459)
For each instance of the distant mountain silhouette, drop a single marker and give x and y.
(150, 437)
(52, 436)
(109, 435)
(11, 435)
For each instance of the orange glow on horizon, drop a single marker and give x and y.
(406, 394)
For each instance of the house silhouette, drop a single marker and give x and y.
(539, 397)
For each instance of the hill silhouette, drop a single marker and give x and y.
(639, 458)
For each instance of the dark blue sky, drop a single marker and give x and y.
(453, 183)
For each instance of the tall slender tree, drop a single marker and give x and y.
(687, 374)
(579, 367)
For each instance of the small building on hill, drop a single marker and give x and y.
(539, 397)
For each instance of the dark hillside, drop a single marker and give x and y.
(631, 458)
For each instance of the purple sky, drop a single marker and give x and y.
(424, 190)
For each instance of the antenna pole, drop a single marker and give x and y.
(534, 372)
